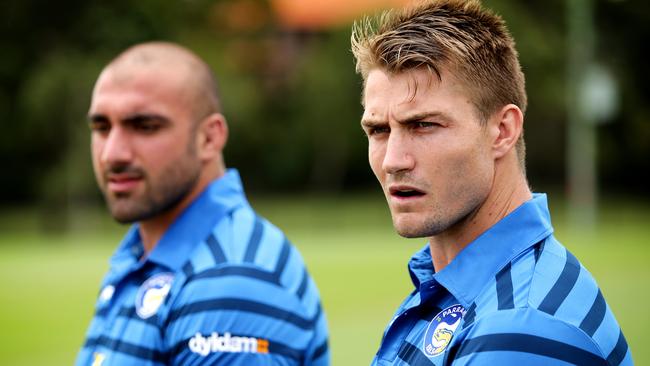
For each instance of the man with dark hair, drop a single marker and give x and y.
(444, 102)
(199, 278)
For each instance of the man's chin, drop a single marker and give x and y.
(409, 230)
(126, 214)
(408, 227)
(124, 218)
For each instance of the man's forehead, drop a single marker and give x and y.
(125, 91)
(413, 80)
(411, 92)
(153, 80)
(398, 90)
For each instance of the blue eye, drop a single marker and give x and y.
(424, 124)
(377, 130)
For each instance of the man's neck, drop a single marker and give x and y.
(153, 229)
(509, 191)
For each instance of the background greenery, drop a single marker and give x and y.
(290, 93)
(49, 282)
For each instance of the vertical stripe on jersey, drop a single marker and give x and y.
(518, 342)
(215, 249)
(412, 355)
(618, 353)
(468, 319)
(595, 316)
(320, 350)
(188, 269)
(504, 288)
(539, 248)
(254, 242)
(303, 284)
(282, 259)
(562, 286)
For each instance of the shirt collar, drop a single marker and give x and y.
(479, 261)
(193, 225)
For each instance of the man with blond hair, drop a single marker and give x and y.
(444, 103)
(200, 278)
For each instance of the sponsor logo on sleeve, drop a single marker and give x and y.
(441, 330)
(227, 343)
(152, 294)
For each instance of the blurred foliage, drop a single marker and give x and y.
(291, 96)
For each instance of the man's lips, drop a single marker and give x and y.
(405, 192)
(123, 182)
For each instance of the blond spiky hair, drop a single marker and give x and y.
(461, 37)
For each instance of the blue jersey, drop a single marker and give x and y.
(222, 287)
(514, 296)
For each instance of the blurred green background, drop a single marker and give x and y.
(50, 282)
(292, 101)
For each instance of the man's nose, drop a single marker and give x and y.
(398, 156)
(117, 147)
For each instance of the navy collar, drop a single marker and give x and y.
(480, 261)
(191, 227)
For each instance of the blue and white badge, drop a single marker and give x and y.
(441, 330)
(106, 294)
(152, 294)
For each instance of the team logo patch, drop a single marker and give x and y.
(106, 294)
(152, 294)
(441, 330)
(226, 343)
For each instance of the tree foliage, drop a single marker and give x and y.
(291, 97)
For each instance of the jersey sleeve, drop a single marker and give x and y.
(527, 336)
(234, 315)
(318, 353)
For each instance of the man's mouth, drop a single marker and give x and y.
(123, 182)
(405, 192)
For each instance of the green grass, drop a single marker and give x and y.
(49, 280)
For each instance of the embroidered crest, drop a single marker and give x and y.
(152, 294)
(441, 330)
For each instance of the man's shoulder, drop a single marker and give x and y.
(247, 280)
(546, 277)
(242, 238)
(546, 298)
(245, 246)
(531, 335)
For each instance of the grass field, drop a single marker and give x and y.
(49, 281)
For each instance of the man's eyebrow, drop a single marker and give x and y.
(417, 117)
(96, 117)
(141, 117)
(371, 122)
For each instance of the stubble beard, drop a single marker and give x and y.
(158, 197)
(430, 226)
(437, 220)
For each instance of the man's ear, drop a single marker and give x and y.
(212, 135)
(508, 124)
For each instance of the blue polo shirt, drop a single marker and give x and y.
(514, 296)
(223, 286)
